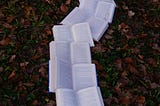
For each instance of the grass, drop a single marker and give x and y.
(30, 36)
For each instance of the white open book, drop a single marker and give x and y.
(79, 33)
(76, 77)
(70, 53)
(98, 13)
(86, 97)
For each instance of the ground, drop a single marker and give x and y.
(127, 57)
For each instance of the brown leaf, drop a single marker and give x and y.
(10, 19)
(64, 8)
(98, 65)
(8, 26)
(152, 62)
(43, 71)
(99, 48)
(51, 103)
(35, 78)
(140, 100)
(12, 58)
(125, 100)
(35, 103)
(119, 64)
(12, 75)
(154, 85)
(5, 42)
(1, 69)
(132, 69)
(68, 2)
(24, 64)
(131, 14)
(128, 60)
(123, 26)
(48, 31)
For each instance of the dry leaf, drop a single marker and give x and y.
(125, 100)
(98, 65)
(68, 2)
(8, 26)
(99, 48)
(24, 64)
(51, 103)
(64, 8)
(5, 41)
(154, 85)
(128, 60)
(12, 75)
(131, 14)
(119, 64)
(152, 62)
(48, 31)
(1, 69)
(12, 58)
(43, 71)
(140, 100)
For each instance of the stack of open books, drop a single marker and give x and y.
(72, 76)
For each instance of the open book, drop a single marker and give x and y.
(70, 53)
(86, 97)
(76, 77)
(79, 33)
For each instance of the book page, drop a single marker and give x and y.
(88, 6)
(84, 76)
(82, 33)
(98, 27)
(90, 97)
(62, 33)
(74, 17)
(66, 97)
(61, 50)
(80, 53)
(64, 75)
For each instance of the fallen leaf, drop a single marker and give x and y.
(35, 103)
(12, 58)
(5, 41)
(12, 75)
(10, 19)
(128, 60)
(24, 64)
(131, 14)
(68, 2)
(154, 85)
(48, 31)
(28, 84)
(119, 64)
(98, 65)
(43, 71)
(64, 8)
(35, 78)
(51, 103)
(8, 26)
(132, 69)
(140, 100)
(152, 62)
(125, 100)
(1, 69)
(99, 48)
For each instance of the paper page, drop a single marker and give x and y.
(82, 33)
(80, 53)
(90, 97)
(84, 76)
(74, 17)
(51, 77)
(62, 33)
(88, 6)
(64, 75)
(98, 27)
(61, 50)
(66, 97)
